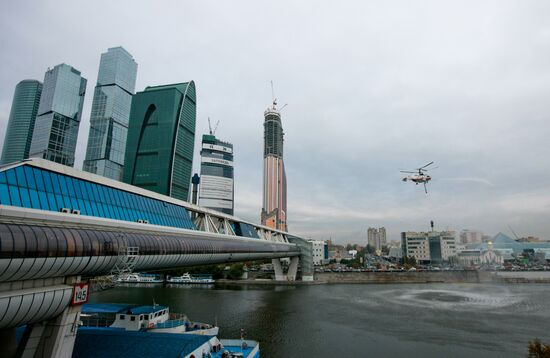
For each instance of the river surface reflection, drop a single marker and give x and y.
(430, 320)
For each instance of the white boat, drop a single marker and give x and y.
(187, 278)
(121, 322)
(155, 318)
(139, 278)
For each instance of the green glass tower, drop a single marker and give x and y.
(21, 123)
(161, 137)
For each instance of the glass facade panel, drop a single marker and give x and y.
(35, 188)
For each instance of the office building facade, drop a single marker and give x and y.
(24, 108)
(110, 114)
(161, 136)
(58, 119)
(429, 247)
(274, 211)
(216, 190)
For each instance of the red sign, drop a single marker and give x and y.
(81, 293)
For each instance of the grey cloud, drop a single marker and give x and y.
(372, 87)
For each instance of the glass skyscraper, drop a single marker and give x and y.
(161, 139)
(216, 181)
(59, 113)
(274, 200)
(24, 108)
(110, 114)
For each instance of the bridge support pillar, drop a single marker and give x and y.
(292, 268)
(290, 275)
(54, 338)
(278, 269)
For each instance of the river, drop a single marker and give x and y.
(347, 320)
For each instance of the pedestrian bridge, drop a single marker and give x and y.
(59, 225)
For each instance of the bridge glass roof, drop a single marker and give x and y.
(30, 187)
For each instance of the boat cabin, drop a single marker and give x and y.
(140, 317)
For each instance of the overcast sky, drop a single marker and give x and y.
(371, 87)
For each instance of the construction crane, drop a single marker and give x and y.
(513, 232)
(275, 99)
(212, 131)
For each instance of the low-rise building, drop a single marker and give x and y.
(320, 252)
(478, 257)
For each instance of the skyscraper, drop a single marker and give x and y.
(274, 200)
(216, 181)
(56, 127)
(110, 113)
(161, 137)
(21, 123)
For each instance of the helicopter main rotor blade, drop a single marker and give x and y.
(427, 170)
(430, 163)
(404, 171)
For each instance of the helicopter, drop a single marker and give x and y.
(419, 176)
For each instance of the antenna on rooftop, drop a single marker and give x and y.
(212, 131)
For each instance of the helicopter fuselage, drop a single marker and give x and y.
(416, 178)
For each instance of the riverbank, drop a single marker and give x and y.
(410, 277)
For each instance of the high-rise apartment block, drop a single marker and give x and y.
(429, 247)
(58, 118)
(274, 213)
(376, 238)
(116, 83)
(161, 138)
(216, 180)
(24, 108)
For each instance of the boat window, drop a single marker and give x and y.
(141, 318)
(146, 316)
(132, 318)
(121, 316)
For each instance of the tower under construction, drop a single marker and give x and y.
(274, 200)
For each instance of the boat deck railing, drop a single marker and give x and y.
(96, 321)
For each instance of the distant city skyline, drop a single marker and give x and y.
(471, 98)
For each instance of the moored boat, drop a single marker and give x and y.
(155, 319)
(195, 279)
(152, 331)
(139, 278)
